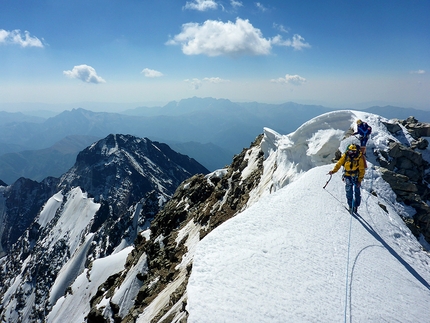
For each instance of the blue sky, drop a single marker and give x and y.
(335, 53)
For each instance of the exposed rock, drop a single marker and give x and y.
(421, 144)
(393, 127)
(416, 129)
(398, 182)
(403, 168)
(199, 205)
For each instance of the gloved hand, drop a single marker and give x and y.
(330, 173)
(358, 184)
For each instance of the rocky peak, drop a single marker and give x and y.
(200, 204)
(96, 209)
(122, 167)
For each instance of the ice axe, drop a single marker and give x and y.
(327, 181)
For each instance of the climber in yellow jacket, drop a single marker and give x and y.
(354, 169)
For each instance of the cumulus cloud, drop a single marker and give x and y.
(260, 6)
(84, 73)
(201, 5)
(418, 72)
(151, 73)
(197, 83)
(290, 79)
(15, 37)
(215, 38)
(298, 42)
(281, 28)
(236, 4)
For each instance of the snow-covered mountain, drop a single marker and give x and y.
(257, 241)
(95, 210)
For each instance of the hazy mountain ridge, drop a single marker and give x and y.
(39, 164)
(220, 122)
(18, 117)
(393, 112)
(209, 130)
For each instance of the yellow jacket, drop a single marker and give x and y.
(353, 166)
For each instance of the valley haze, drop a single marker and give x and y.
(210, 130)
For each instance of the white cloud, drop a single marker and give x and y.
(201, 5)
(197, 83)
(290, 79)
(418, 72)
(260, 6)
(214, 38)
(298, 42)
(281, 28)
(84, 73)
(151, 73)
(236, 4)
(16, 38)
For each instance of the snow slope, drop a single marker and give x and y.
(297, 255)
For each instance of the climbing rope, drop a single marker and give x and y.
(348, 253)
(347, 264)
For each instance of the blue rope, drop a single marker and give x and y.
(347, 262)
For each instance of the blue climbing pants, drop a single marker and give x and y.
(352, 191)
(363, 141)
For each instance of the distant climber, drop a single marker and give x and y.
(354, 169)
(364, 131)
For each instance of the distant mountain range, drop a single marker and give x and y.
(207, 129)
(38, 164)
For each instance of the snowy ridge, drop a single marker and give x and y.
(64, 236)
(75, 309)
(285, 258)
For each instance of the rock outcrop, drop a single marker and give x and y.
(404, 168)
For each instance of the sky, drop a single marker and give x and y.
(294, 254)
(122, 53)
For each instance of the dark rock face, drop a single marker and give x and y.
(20, 204)
(404, 169)
(126, 163)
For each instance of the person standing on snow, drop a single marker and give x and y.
(354, 169)
(364, 131)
